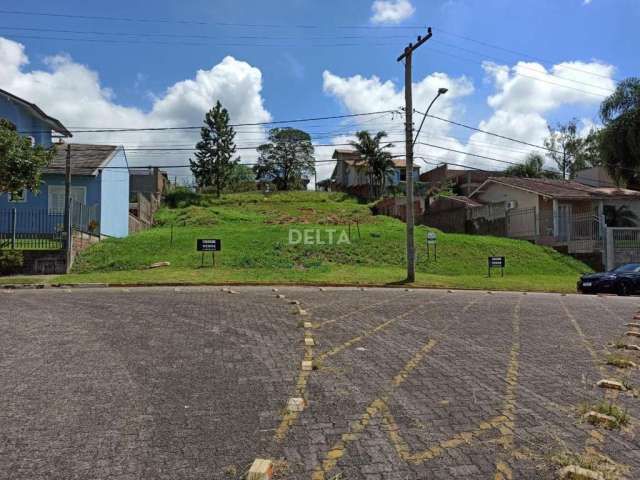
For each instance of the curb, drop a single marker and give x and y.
(40, 286)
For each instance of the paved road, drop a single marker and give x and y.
(192, 383)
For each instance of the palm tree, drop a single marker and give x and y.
(620, 216)
(618, 140)
(376, 158)
(533, 167)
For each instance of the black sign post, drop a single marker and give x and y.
(209, 245)
(497, 262)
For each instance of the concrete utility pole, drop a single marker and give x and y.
(408, 110)
(67, 207)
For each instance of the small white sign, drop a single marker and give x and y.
(431, 237)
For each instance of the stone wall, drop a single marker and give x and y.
(44, 262)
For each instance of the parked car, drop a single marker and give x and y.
(623, 280)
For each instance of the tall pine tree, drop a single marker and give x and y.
(213, 165)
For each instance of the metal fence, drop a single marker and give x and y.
(623, 246)
(579, 232)
(41, 228)
(522, 223)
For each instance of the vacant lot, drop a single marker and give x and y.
(164, 383)
(262, 243)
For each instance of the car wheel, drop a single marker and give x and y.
(624, 289)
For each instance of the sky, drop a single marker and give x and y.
(511, 67)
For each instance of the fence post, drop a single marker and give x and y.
(602, 234)
(14, 224)
(610, 256)
(69, 240)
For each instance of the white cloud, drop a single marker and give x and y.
(361, 94)
(391, 11)
(524, 94)
(74, 94)
(530, 87)
(519, 104)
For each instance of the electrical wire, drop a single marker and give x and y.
(164, 129)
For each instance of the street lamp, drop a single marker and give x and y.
(411, 252)
(441, 91)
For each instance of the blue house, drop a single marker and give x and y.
(99, 176)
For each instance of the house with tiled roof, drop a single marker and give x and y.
(566, 214)
(555, 212)
(99, 179)
(350, 173)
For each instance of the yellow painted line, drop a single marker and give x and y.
(507, 429)
(345, 315)
(462, 438)
(368, 333)
(583, 338)
(289, 418)
(337, 451)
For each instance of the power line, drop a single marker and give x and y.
(267, 45)
(254, 124)
(504, 137)
(525, 67)
(197, 36)
(517, 74)
(192, 44)
(516, 52)
(208, 23)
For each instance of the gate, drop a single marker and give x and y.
(623, 246)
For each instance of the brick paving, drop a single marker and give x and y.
(164, 383)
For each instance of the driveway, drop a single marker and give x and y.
(193, 383)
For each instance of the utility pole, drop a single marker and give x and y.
(67, 208)
(408, 111)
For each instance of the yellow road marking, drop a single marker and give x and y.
(353, 312)
(503, 472)
(587, 344)
(289, 418)
(404, 452)
(357, 427)
(369, 333)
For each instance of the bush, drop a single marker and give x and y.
(11, 262)
(182, 197)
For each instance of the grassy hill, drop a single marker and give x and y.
(255, 231)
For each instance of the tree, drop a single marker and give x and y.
(566, 149)
(620, 216)
(376, 158)
(287, 160)
(241, 179)
(21, 163)
(619, 140)
(533, 167)
(213, 163)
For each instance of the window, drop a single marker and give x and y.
(56, 197)
(18, 197)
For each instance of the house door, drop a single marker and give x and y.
(564, 215)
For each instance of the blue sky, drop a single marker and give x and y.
(309, 54)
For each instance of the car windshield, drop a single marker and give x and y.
(631, 267)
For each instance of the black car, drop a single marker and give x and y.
(623, 280)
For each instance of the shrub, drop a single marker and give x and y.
(182, 197)
(11, 262)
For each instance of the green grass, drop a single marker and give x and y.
(254, 230)
(607, 408)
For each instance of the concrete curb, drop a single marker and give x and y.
(42, 286)
(37, 286)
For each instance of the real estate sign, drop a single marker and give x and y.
(497, 262)
(209, 245)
